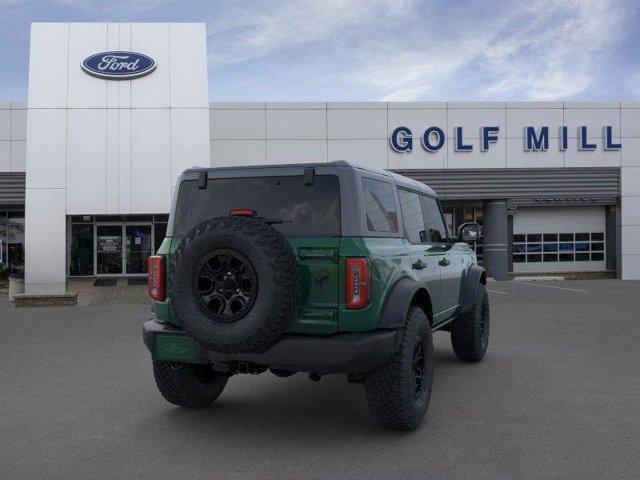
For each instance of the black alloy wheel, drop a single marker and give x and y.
(225, 285)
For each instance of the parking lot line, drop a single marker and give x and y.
(496, 291)
(551, 286)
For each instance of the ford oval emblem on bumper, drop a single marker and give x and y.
(118, 65)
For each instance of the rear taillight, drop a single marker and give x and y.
(358, 283)
(156, 270)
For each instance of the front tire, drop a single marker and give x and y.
(399, 391)
(188, 385)
(470, 331)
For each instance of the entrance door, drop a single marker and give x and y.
(138, 248)
(109, 250)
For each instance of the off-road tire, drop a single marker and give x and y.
(278, 284)
(188, 385)
(470, 331)
(390, 387)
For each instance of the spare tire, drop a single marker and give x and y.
(234, 284)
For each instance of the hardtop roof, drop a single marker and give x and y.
(400, 180)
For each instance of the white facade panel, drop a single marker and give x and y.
(153, 90)
(86, 161)
(630, 154)
(630, 182)
(227, 153)
(85, 91)
(188, 56)
(366, 152)
(47, 148)
(296, 151)
(124, 161)
(150, 160)
(296, 124)
(18, 156)
(189, 140)
(111, 161)
(5, 156)
(113, 43)
(630, 120)
(630, 211)
(356, 124)
(45, 241)
(238, 124)
(18, 124)
(48, 65)
(5, 124)
(124, 86)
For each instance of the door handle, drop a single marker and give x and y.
(444, 262)
(419, 265)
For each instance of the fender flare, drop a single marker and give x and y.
(399, 301)
(475, 276)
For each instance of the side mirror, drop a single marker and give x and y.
(469, 232)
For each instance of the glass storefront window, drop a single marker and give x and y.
(15, 241)
(119, 246)
(159, 234)
(81, 254)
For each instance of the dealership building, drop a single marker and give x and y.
(116, 111)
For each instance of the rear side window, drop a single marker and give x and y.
(436, 231)
(305, 210)
(412, 216)
(379, 206)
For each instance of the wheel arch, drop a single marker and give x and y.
(405, 293)
(476, 275)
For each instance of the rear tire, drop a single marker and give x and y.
(188, 385)
(399, 391)
(470, 331)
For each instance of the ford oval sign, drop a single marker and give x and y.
(118, 65)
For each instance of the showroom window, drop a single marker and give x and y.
(11, 243)
(558, 247)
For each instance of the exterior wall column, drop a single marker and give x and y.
(496, 239)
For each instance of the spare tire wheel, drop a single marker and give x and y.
(234, 284)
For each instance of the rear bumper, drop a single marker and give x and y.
(339, 353)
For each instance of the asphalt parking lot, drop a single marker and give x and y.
(558, 396)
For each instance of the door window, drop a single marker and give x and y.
(436, 231)
(412, 216)
(109, 249)
(379, 206)
(138, 245)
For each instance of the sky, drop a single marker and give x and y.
(377, 50)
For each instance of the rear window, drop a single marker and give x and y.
(305, 211)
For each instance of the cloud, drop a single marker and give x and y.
(409, 50)
(546, 51)
(243, 34)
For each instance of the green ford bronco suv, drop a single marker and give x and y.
(318, 268)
